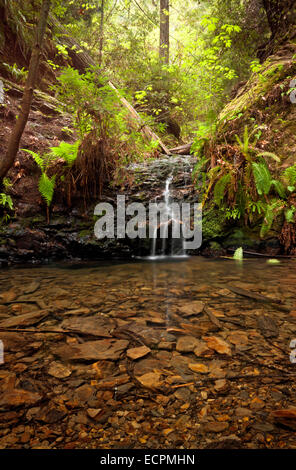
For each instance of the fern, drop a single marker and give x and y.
(290, 214)
(46, 187)
(269, 216)
(67, 152)
(270, 155)
(290, 175)
(263, 179)
(220, 187)
(280, 188)
(5, 200)
(38, 158)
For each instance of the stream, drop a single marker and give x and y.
(162, 353)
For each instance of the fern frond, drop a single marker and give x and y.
(66, 151)
(262, 177)
(270, 155)
(290, 175)
(38, 158)
(220, 186)
(280, 188)
(46, 187)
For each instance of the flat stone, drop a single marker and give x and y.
(107, 349)
(8, 296)
(32, 287)
(216, 426)
(201, 368)
(151, 336)
(186, 344)
(238, 338)
(147, 365)
(268, 327)
(218, 345)
(221, 385)
(59, 371)
(84, 393)
(191, 308)
(137, 353)
(242, 412)
(18, 397)
(263, 427)
(257, 404)
(201, 348)
(182, 394)
(93, 412)
(151, 380)
(91, 326)
(24, 320)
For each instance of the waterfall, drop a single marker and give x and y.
(167, 247)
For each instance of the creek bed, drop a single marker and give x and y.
(163, 354)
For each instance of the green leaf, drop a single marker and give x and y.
(239, 254)
(271, 155)
(220, 187)
(262, 177)
(38, 158)
(46, 187)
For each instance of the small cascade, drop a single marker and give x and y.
(166, 246)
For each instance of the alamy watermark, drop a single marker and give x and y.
(1, 352)
(183, 221)
(293, 91)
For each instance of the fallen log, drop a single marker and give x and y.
(182, 149)
(259, 297)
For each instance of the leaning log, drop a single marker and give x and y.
(182, 150)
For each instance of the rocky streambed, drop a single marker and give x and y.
(188, 354)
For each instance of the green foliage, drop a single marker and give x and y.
(46, 187)
(239, 254)
(6, 201)
(96, 106)
(262, 177)
(66, 151)
(19, 75)
(6, 204)
(220, 186)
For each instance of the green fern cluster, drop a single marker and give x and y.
(235, 186)
(290, 176)
(65, 151)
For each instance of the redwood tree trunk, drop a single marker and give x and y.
(281, 16)
(164, 37)
(101, 33)
(7, 161)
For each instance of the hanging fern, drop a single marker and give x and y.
(220, 186)
(46, 187)
(290, 176)
(263, 179)
(271, 211)
(280, 188)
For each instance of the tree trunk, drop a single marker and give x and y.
(164, 37)
(7, 161)
(101, 33)
(281, 15)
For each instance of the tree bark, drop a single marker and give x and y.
(101, 33)
(7, 161)
(281, 15)
(164, 35)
